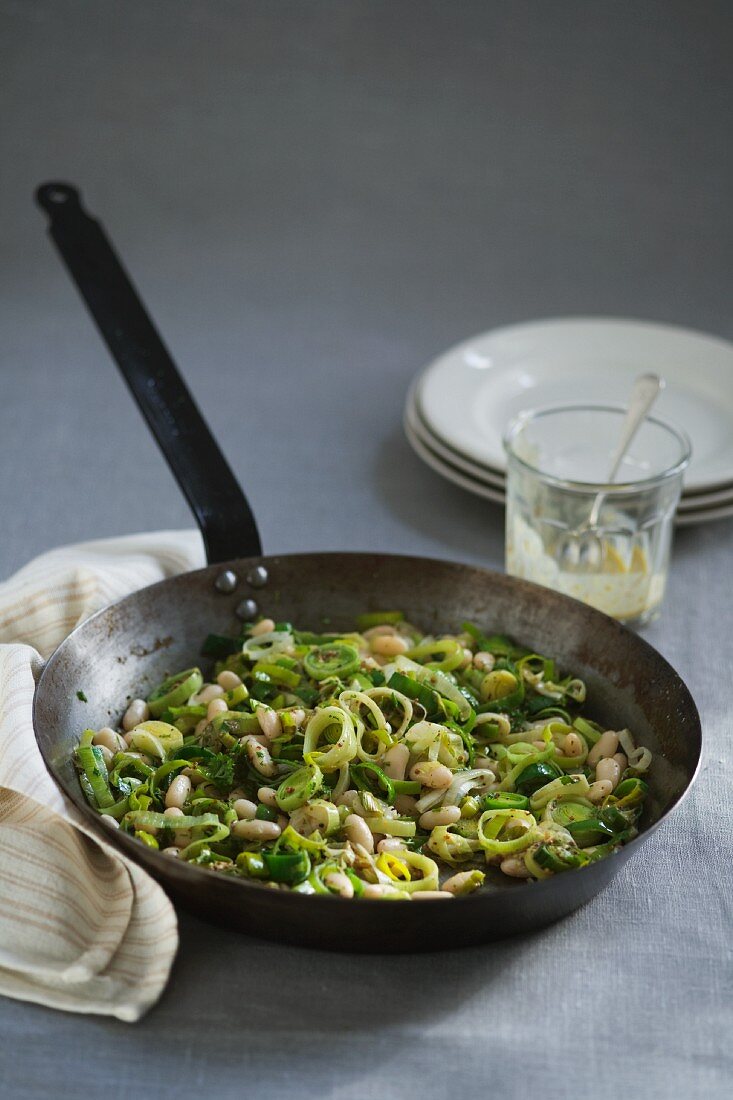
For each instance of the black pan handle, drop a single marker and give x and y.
(218, 503)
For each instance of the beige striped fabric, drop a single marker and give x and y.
(82, 928)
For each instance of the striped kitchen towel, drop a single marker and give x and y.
(82, 927)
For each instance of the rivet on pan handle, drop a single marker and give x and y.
(221, 508)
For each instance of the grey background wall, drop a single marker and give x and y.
(315, 199)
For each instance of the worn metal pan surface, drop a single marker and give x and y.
(127, 648)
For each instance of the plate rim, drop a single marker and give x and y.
(703, 515)
(471, 485)
(723, 344)
(689, 502)
(495, 481)
(444, 469)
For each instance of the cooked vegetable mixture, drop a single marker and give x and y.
(382, 763)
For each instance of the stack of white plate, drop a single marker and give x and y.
(459, 407)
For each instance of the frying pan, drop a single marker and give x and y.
(130, 646)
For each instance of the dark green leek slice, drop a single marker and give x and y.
(334, 659)
(535, 776)
(589, 831)
(378, 618)
(288, 867)
(556, 859)
(506, 800)
(567, 812)
(298, 787)
(369, 777)
(175, 691)
(266, 813)
(630, 792)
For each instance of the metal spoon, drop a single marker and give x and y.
(581, 549)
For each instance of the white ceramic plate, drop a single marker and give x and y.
(708, 496)
(693, 501)
(468, 396)
(691, 505)
(418, 428)
(703, 515)
(452, 473)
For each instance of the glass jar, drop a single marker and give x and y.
(557, 464)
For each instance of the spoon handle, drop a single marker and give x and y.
(643, 395)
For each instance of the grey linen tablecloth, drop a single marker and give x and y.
(315, 199)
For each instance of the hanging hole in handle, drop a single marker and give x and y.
(53, 196)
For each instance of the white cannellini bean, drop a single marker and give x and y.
(446, 815)
(244, 809)
(173, 811)
(201, 726)
(484, 763)
(539, 745)
(608, 769)
(268, 797)
(391, 844)
(173, 852)
(380, 628)
(297, 715)
(351, 800)
(606, 745)
(389, 645)
(283, 821)
(107, 755)
(264, 626)
(598, 790)
(341, 883)
(178, 791)
(111, 821)
(359, 832)
(109, 739)
(572, 745)
(431, 774)
(209, 693)
(228, 680)
(456, 883)
(373, 890)
(621, 760)
(405, 804)
(259, 758)
(216, 706)
(394, 761)
(430, 895)
(269, 721)
(258, 738)
(514, 867)
(467, 659)
(256, 830)
(484, 661)
(137, 712)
